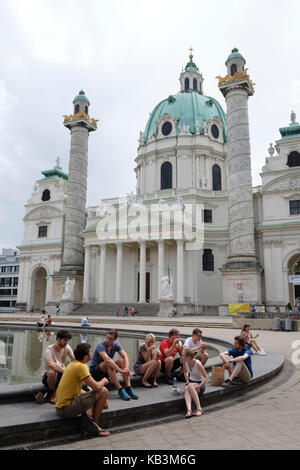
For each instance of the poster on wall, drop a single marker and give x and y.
(234, 309)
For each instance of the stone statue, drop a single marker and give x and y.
(293, 119)
(271, 150)
(206, 125)
(58, 164)
(68, 288)
(179, 201)
(35, 187)
(203, 182)
(131, 198)
(161, 202)
(166, 289)
(141, 138)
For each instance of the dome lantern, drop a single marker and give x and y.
(235, 62)
(191, 79)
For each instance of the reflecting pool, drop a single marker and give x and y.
(22, 352)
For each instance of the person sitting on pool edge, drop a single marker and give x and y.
(54, 364)
(195, 343)
(102, 365)
(148, 362)
(168, 349)
(72, 401)
(239, 366)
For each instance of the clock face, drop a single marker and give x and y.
(166, 128)
(215, 131)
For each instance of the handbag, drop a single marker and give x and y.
(217, 376)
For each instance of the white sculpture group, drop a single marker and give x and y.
(68, 288)
(166, 289)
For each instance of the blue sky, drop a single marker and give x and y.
(127, 56)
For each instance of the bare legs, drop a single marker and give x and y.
(149, 368)
(191, 391)
(95, 412)
(113, 375)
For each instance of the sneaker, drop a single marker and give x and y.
(123, 394)
(227, 383)
(262, 352)
(132, 393)
(168, 380)
(237, 381)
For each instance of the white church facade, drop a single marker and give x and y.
(192, 158)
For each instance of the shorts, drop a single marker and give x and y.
(45, 380)
(78, 405)
(176, 365)
(98, 374)
(244, 374)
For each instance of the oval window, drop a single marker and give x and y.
(215, 131)
(166, 128)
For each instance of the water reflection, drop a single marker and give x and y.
(22, 352)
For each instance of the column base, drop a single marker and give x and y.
(165, 307)
(58, 287)
(247, 274)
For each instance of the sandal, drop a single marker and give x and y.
(89, 425)
(40, 398)
(198, 413)
(189, 414)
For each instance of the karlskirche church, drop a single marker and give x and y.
(192, 153)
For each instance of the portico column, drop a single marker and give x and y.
(119, 272)
(161, 262)
(180, 298)
(142, 272)
(102, 274)
(86, 279)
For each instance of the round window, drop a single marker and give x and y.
(215, 131)
(166, 128)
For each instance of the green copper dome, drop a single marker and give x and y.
(81, 96)
(191, 67)
(189, 108)
(235, 54)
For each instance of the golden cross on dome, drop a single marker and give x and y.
(191, 54)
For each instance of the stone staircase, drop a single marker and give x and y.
(109, 309)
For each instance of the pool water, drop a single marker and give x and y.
(22, 352)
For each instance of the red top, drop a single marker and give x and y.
(49, 321)
(166, 344)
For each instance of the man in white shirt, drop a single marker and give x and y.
(54, 364)
(195, 343)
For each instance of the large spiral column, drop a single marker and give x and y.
(242, 267)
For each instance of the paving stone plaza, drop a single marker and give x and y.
(268, 412)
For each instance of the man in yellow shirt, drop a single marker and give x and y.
(71, 401)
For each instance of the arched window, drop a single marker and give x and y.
(293, 159)
(166, 176)
(217, 181)
(233, 69)
(208, 260)
(77, 108)
(86, 110)
(195, 84)
(46, 195)
(186, 84)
